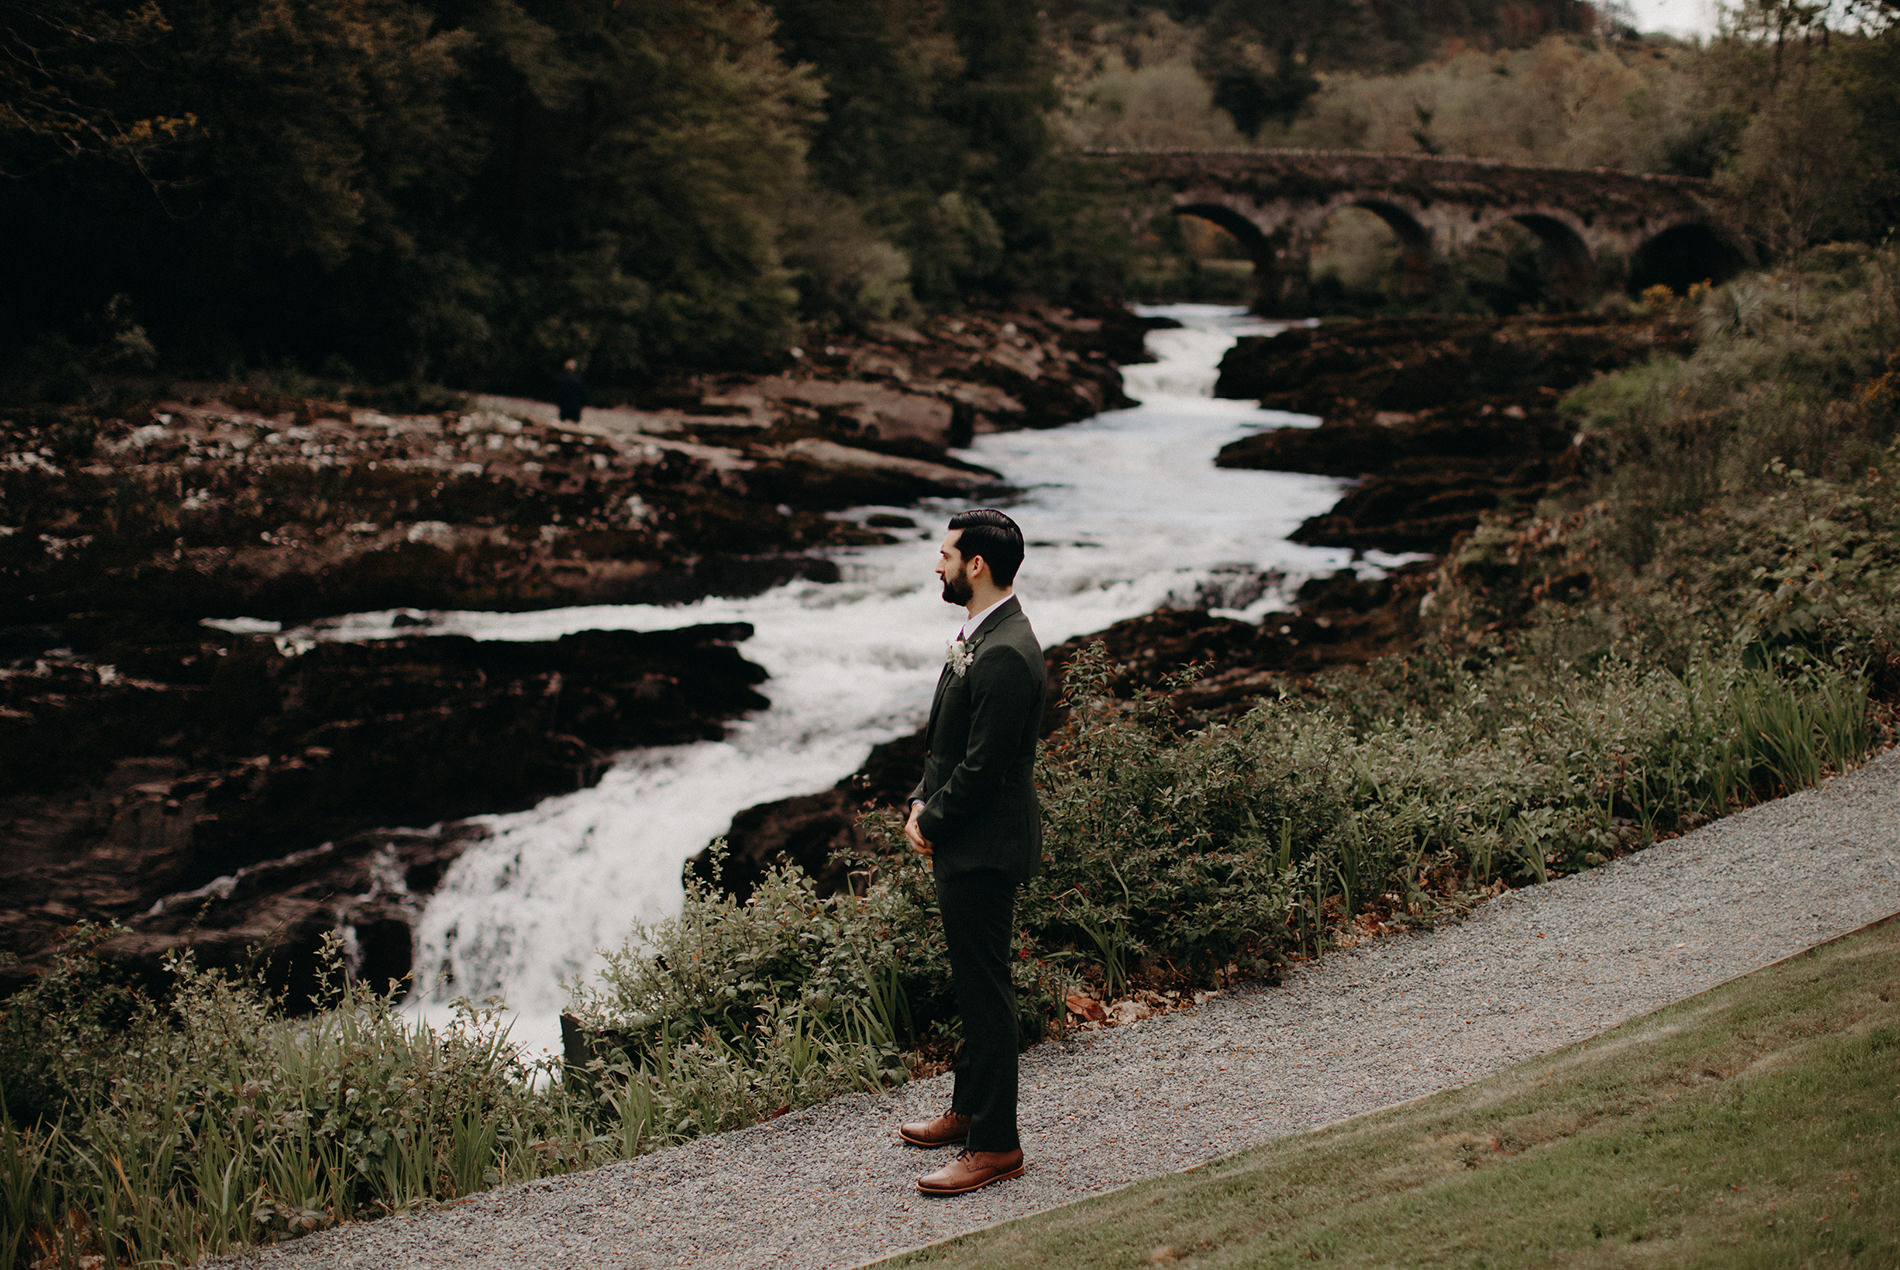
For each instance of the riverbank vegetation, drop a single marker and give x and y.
(472, 192)
(147, 1130)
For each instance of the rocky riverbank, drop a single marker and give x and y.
(234, 790)
(1442, 419)
(228, 790)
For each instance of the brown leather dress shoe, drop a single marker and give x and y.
(945, 1129)
(970, 1170)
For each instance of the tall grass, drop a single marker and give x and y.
(208, 1121)
(138, 1131)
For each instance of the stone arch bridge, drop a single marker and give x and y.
(1599, 227)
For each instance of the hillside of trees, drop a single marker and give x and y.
(469, 191)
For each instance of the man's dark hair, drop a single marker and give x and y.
(995, 537)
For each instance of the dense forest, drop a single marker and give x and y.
(469, 191)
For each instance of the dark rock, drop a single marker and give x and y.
(1338, 621)
(1424, 506)
(277, 914)
(1445, 419)
(826, 476)
(136, 789)
(891, 771)
(817, 832)
(1356, 447)
(1355, 367)
(214, 507)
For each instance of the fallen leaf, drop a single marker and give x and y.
(1086, 1008)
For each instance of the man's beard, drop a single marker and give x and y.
(957, 590)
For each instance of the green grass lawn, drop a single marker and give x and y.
(1755, 1125)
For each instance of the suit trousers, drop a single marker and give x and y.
(978, 919)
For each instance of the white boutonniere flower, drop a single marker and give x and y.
(958, 654)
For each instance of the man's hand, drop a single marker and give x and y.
(918, 843)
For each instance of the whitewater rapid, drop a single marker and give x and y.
(1123, 513)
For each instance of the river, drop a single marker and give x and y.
(1123, 513)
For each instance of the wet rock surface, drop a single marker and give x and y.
(231, 792)
(136, 784)
(1443, 418)
(820, 833)
(1338, 621)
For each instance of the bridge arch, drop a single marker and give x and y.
(1332, 241)
(1566, 265)
(1573, 270)
(1267, 272)
(1415, 244)
(1682, 255)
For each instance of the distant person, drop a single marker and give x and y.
(571, 394)
(974, 816)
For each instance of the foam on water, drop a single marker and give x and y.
(1124, 513)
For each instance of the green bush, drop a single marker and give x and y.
(733, 1010)
(1516, 780)
(1766, 384)
(1190, 850)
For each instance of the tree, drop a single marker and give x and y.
(63, 89)
(1801, 173)
(640, 160)
(1778, 23)
(1261, 55)
(1869, 69)
(270, 142)
(470, 188)
(885, 66)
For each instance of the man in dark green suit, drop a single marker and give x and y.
(974, 814)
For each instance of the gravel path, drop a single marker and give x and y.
(1393, 1019)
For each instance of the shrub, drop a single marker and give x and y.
(782, 999)
(1189, 850)
(1158, 106)
(845, 272)
(1563, 101)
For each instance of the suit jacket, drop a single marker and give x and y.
(979, 782)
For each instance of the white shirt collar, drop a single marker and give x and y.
(970, 627)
